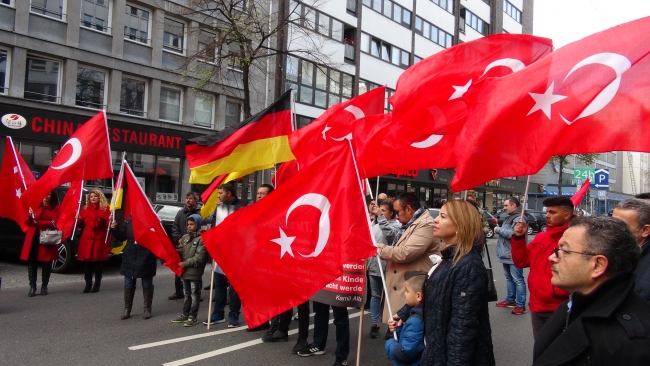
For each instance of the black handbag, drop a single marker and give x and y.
(492, 290)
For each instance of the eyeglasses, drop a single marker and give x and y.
(557, 252)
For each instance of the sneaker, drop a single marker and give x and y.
(374, 331)
(180, 319)
(388, 334)
(506, 304)
(341, 362)
(191, 321)
(215, 319)
(311, 350)
(519, 310)
(277, 336)
(234, 321)
(300, 344)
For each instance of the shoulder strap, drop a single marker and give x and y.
(488, 254)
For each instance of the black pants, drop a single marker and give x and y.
(93, 267)
(282, 321)
(303, 320)
(33, 263)
(538, 320)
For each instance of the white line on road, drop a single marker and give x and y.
(236, 347)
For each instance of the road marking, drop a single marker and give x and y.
(236, 347)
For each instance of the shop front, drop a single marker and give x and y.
(156, 154)
(430, 185)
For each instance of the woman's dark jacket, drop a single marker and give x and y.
(137, 261)
(456, 319)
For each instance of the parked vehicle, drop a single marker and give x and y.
(541, 219)
(532, 222)
(167, 213)
(492, 221)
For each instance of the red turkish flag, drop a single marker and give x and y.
(579, 195)
(297, 239)
(587, 97)
(69, 208)
(15, 177)
(147, 229)
(428, 106)
(85, 156)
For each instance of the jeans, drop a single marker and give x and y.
(342, 324)
(192, 291)
(129, 282)
(376, 288)
(178, 286)
(221, 297)
(515, 284)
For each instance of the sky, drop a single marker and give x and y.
(566, 21)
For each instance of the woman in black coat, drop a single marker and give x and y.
(137, 262)
(456, 319)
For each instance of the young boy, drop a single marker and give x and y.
(410, 331)
(194, 257)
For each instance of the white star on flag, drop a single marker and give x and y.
(18, 193)
(285, 243)
(544, 101)
(460, 90)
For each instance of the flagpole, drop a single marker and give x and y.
(76, 216)
(377, 190)
(381, 271)
(114, 198)
(369, 189)
(20, 169)
(523, 204)
(361, 316)
(211, 292)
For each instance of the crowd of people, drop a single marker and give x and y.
(589, 278)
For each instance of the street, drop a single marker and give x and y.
(68, 327)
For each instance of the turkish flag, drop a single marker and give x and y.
(147, 229)
(428, 106)
(85, 156)
(297, 239)
(587, 97)
(579, 195)
(15, 177)
(69, 208)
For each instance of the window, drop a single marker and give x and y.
(50, 8)
(391, 11)
(170, 104)
(511, 10)
(317, 85)
(42, 79)
(173, 36)
(137, 24)
(475, 22)
(389, 93)
(94, 14)
(385, 51)
(168, 178)
(303, 121)
(321, 23)
(433, 33)
(233, 114)
(6, 2)
(4, 71)
(90, 88)
(445, 4)
(203, 107)
(206, 48)
(132, 96)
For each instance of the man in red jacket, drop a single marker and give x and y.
(544, 297)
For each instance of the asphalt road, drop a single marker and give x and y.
(71, 328)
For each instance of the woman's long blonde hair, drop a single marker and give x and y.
(103, 204)
(469, 229)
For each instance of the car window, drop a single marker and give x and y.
(168, 212)
(434, 212)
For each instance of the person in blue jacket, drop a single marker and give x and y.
(407, 350)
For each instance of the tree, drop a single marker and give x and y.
(249, 36)
(563, 160)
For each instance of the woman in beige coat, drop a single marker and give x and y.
(410, 250)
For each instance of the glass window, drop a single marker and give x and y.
(367, 3)
(6, 2)
(337, 30)
(292, 68)
(307, 77)
(94, 14)
(385, 52)
(136, 24)
(90, 88)
(38, 155)
(203, 106)
(441, 38)
(49, 8)
(334, 99)
(132, 97)
(310, 18)
(306, 95)
(173, 35)
(206, 48)
(396, 57)
(347, 85)
(397, 13)
(170, 104)
(323, 24)
(168, 178)
(233, 114)
(320, 99)
(42, 79)
(374, 47)
(388, 9)
(335, 82)
(4, 71)
(376, 5)
(321, 78)
(406, 17)
(434, 34)
(448, 40)
(365, 42)
(405, 58)
(418, 24)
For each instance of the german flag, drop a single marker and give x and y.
(255, 144)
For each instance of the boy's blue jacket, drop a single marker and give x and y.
(408, 350)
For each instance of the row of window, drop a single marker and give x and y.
(317, 85)
(319, 22)
(43, 83)
(445, 4)
(390, 10)
(365, 86)
(435, 34)
(511, 10)
(475, 22)
(384, 51)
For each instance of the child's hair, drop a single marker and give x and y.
(416, 279)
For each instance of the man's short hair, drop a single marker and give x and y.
(388, 202)
(641, 207)
(416, 279)
(612, 238)
(408, 199)
(559, 201)
(197, 196)
(514, 201)
(269, 187)
(229, 188)
(643, 196)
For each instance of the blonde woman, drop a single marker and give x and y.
(456, 320)
(93, 246)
